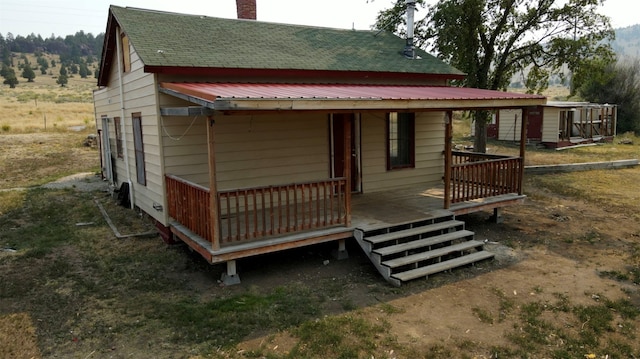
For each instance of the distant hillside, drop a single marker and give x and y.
(70, 49)
(627, 43)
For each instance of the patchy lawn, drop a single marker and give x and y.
(564, 284)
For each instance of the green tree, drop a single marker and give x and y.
(492, 40)
(4, 70)
(617, 84)
(28, 73)
(9, 76)
(62, 79)
(44, 65)
(83, 71)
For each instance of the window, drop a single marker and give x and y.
(400, 140)
(117, 125)
(139, 148)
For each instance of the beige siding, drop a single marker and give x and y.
(250, 150)
(509, 125)
(140, 94)
(550, 124)
(271, 149)
(429, 160)
(185, 148)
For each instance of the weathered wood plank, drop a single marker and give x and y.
(443, 266)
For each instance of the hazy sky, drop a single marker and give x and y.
(66, 17)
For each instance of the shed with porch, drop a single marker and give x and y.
(557, 124)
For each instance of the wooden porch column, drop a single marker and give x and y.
(213, 188)
(448, 153)
(523, 144)
(347, 170)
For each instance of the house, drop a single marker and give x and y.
(242, 137)
(557, 124)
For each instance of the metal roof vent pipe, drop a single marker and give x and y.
(409, 50)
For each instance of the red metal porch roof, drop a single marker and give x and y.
(231, 95)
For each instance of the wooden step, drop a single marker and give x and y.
(442, 266)
(423, 256)
(381, 238)
(422, 243)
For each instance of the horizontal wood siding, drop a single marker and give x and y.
(271, 149)
(185, 147)
(250, 150)
(550, 124)
(510, 124)
(140, 95)
(429, 160)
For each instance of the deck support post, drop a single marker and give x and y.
(341, 253)
(497, 216)
(213, 188)
(231, 277)
(523, 143)
(448, 156)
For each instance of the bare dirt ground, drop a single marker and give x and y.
(547, 248)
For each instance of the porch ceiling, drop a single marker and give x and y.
(271, 96)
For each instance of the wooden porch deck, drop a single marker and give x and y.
(369, 211)
(379, 209)
(237, 223)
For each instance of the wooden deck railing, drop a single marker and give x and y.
(189, 205)
(478, 175)
(253, 213)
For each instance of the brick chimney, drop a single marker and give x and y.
(246, 9)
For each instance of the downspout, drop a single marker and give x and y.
(122, 122)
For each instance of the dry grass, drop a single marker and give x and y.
(31, 159)
(26, 117)
(42, 128)
(43, 105)
(18, 336)
(614, 190)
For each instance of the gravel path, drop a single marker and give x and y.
(84, 182)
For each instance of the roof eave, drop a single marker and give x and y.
(227, 104)
(299, 73)
(108, 49)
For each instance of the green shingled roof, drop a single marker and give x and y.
(178, 40)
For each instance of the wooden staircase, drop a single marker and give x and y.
(418, 249)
